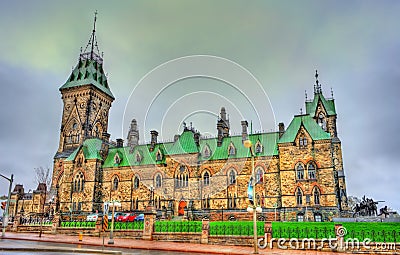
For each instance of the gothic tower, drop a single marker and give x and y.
(87, 100)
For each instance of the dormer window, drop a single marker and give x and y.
(259, 147)
(206, 152)
(231, 150)
(321, 121)
(138, 157)
(117, 159)
(159, 155)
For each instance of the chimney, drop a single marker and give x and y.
(120, 142)
(196, 137)
(245, 124)
(153, 142)
(281, 129)
(133, 136)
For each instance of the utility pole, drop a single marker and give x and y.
(5, 213)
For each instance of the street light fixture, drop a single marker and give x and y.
(254, 208)
(5, 213)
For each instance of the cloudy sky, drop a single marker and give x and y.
(355, 45)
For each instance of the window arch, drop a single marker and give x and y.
(316, 195)
(115, 183)
(311, 171)
(259, 175)
(182, 177)
(79, 182)
(300, 172)
(299, 196)
(136, 182)
(321, 121)
(232, 177)
(206, 178)
(158, 181)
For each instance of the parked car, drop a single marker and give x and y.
(140, 217)
(92, 217)
(126, 217)
(116, 214)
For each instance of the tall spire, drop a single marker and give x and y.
(94, 53)
(317, 86)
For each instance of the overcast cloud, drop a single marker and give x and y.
(354, 45)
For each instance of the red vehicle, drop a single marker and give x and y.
(126, 217)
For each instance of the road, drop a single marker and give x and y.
(22, 247)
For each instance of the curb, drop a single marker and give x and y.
(67, 250)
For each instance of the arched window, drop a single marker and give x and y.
(158, 181)
(115, 183)
(311, 171)
(259, 175)
(79, 182)
(316, 196)
(300, 172)
(182, 177)
(206, 178)
(232, 176)
(302, 141)
(136, 182)
(321, 121)
(299, 197)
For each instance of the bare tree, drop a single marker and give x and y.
(43, 175)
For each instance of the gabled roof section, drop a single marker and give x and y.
(88, 72)
(184, 144)
(329, 105)
(91, 149)
(315, 131)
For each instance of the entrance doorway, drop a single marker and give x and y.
(181, 208)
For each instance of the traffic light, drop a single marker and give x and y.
(3, 205)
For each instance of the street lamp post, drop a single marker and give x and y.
(112, 204)
(5, 213)
(254, 209)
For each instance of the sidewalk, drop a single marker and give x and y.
(154, 245)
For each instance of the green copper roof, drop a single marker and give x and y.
(185, 144)
(328, 104)
(88, 71)
(315, 131)
(91, 149)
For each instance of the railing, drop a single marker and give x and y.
(304, 230)
(35, 221)
(135, 225)
(78, 224)
(178, 226)
(235, 228)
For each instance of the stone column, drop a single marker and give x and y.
(205, 229)
(340, 232)
(99, 225)
(55, 223)
(149, 218)
(268, 234)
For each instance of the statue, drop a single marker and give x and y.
(367, 207)
(384, 211)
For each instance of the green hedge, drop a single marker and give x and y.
(235, 228)
(178, 226)
(317, 230)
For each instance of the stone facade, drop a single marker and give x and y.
(298, 171)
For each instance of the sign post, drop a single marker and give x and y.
(112, 204)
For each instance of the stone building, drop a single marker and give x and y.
(29, 203)
(298, 170)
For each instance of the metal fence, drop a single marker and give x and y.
(35, 221)
(78, 224)
(134, 225)
(178, 226)
(235, 228)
